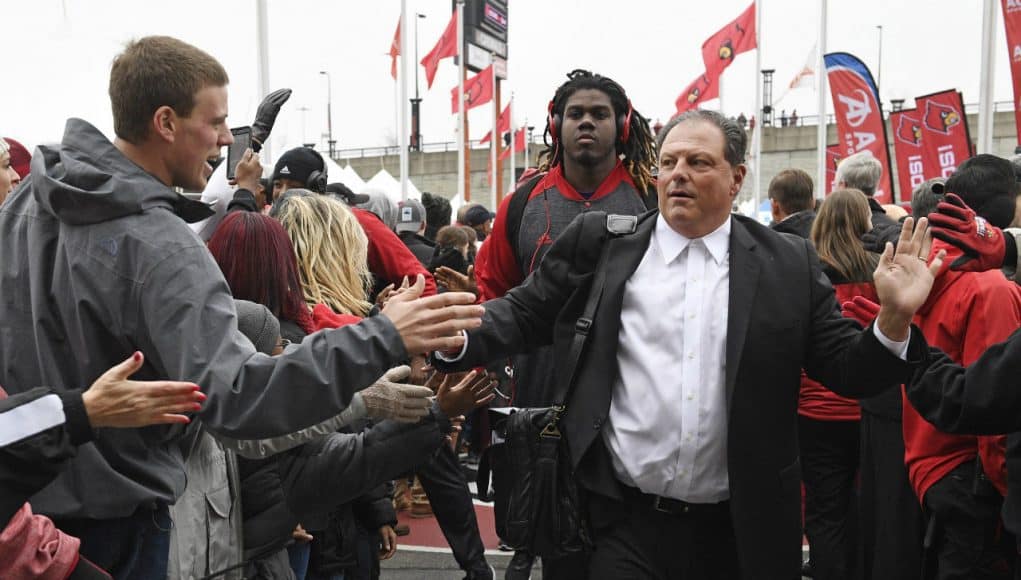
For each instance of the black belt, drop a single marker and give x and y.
(671, 506)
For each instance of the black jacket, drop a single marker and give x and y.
(799, 224)
(420, 246)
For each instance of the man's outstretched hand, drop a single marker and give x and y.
(903, 279)
(983, 244)
(266, 116)
(434, 322)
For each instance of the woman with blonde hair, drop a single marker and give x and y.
(331, 250)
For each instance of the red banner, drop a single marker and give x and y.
(719, 50)
(518, 144)
(502, 124)
(446, 47)
(395, 50)
(699, 91)
(478, 90)
(945, 140)
(860, 125)
(907, 147)
(1012, 26)
(833, 158)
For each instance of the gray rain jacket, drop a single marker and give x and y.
(98, 262)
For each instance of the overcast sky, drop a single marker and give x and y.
(59, 54)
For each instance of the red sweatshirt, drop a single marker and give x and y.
(966, 313)
(816, 401)
(389, 258)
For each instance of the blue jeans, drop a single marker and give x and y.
(298, 553)
(135, 547)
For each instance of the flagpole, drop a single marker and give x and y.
(985, 93)
(461, 137)
(493, 143)
(513, 153)
(757, 133)
(402, 101)
(820, 88)
(262, 47)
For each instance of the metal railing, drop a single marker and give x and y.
(440, 147)
(449, 146)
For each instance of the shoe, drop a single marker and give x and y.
(806, 569)
(504, 546)
(402, 530)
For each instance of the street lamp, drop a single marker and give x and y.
(416, 130)
(329, 113)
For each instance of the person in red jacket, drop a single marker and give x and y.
(389, 259)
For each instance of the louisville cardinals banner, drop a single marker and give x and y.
(736, 37)
(833, 158)
(395, 50)
(517, 146)
(1012, 25)
(445, 48)
(699, 91)
(502, 123)
(907, 148)
(860, 125)
(478, 90)
(945, 141)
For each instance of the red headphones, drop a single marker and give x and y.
(623, 123)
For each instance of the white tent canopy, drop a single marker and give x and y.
(349, 177)
(383, 181)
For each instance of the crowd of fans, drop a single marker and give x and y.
(309, 360)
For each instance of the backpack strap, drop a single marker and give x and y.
(616, 225)
(516, 212)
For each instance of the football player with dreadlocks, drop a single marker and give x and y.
(600, 153)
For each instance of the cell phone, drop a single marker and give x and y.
(236, 150)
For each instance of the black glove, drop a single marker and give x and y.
(266, 116)
(875, 239)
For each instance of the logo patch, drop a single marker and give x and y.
(941, 118)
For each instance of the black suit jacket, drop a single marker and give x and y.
(782, 317)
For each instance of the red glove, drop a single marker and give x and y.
(956, 224)
(861, 310)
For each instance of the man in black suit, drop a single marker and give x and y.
(682, 421)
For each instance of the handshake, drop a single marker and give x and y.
(389, 398)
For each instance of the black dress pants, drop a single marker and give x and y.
(634, 540)
(829, 469)
(451, 501)
(968, 542)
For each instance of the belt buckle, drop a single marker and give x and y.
(660, 505)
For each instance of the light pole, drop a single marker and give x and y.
(879, 67)
(416, 132)
(329, 112)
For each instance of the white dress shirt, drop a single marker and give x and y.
(667, 428)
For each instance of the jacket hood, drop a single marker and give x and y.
(86, 180)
